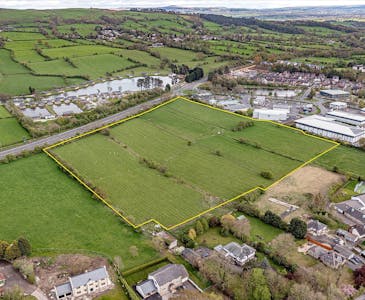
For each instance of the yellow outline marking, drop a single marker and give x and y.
(203, 212)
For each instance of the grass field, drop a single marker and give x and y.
(346, 159)
(10, 130)
(164, 165)
(58, 216)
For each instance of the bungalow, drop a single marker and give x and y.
(344, 251)
(239, 254)
(84, 285)
(315, 228)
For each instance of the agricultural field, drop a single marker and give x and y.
(163, 165)
(345, 159)
(58, 216)
(10, 130)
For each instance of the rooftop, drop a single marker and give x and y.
(346, 115)
(83, 279)
(168, 273)
(335, 92)
(328, 124)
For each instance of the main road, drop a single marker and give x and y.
(50, 140)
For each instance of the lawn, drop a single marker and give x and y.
(181, 159)
(57, 215)
(346, 159)
(4, 113)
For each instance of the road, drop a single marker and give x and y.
(50, 140)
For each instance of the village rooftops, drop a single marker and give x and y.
(168, 273)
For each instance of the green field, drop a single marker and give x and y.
(181, 140)
(10, 130)
(346, 159)
(58, 216)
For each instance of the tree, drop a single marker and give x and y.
(24, 246)
(297, 228)
(278, 284)
(133, 250)
(168, 88)
(304, 292)
(3, 246)
(199, 228)
(205, 224)
(214, 221)
(192, 233)
(258, 288)
(267, 174)
(359, 277)
(12, 251)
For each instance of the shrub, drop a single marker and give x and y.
(267, 174)
(297, 228)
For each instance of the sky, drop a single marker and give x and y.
(45, 4)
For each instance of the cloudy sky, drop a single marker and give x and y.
(42, 4)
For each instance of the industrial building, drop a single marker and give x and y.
(328, 127)
(271, 114)
(348, 118)
(338, 105)
(334, 94)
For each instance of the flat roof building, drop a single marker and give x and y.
(271, 114)
(348, 118)
(329, 128)
(334, 94)
(338, 105)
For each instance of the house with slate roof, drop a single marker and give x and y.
(240, 254)
(353, 209)
(85, 284)
(315, 228)
(330, 258)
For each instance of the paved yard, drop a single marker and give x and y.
(13, 278)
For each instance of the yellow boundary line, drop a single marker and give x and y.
(46, 150)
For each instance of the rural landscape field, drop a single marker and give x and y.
(179, 152)
(164, 164)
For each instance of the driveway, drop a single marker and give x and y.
(13, 278)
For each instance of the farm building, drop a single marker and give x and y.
(85, 284)
(239, 254)
(329, 128)
(334, 94)
(338, 105)
(271, 114)
(347, 118)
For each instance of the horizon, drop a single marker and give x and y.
(116, 4)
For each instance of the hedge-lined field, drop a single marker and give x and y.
(10, 130)
(346, 159)
(183, 158)
(53, 211)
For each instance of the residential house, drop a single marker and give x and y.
(331, 258)
(240, 254)
(358, 230)
(344, 251)
(349, 237)
(316, 228)
(353, 209)
(85, 284)
(169, 278)
(146, 289)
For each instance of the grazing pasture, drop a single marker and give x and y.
(181, 159)
(58, 216)
(345, 159)
(10, 130)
